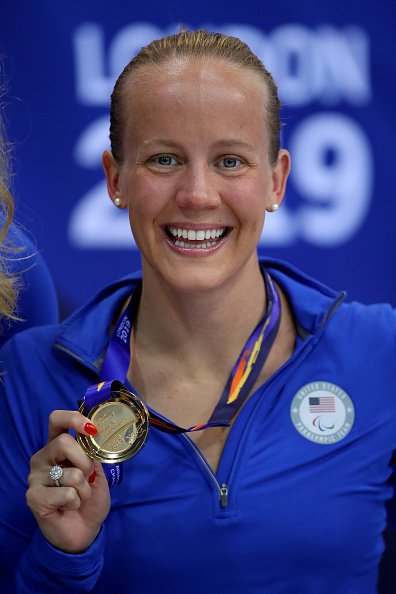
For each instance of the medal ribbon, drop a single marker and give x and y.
(242, 378)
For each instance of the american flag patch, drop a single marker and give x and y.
(322, 404)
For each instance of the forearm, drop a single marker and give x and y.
(42, 568)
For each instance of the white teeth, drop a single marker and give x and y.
(192, 235)
(194, 245)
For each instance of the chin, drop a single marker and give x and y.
(198, 280)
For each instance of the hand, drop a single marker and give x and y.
(69, 516)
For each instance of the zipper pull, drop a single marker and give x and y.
(223, 495)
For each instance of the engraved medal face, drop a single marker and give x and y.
(123, 423)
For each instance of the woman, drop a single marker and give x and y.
(7, 282)
(285, 487)
(27, 291)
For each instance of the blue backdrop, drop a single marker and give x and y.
(335, 64)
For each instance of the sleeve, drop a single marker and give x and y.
(387, 570)
(37, 302)
(43, 568)
(28, 563)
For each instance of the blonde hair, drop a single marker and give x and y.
(195, 45)
(8, 282)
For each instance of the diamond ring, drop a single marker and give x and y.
(56, 472)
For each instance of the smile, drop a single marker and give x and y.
(191, 238)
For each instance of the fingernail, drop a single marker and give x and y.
(91, 478)
(90, 429)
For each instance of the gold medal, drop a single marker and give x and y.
(122, 422)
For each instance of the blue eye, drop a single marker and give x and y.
(165, 160)
(230, 162)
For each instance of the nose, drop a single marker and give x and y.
(196, 189)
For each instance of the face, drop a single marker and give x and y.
(196, 175)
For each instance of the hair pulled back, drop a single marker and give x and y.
(195, 45)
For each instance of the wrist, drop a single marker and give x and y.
(74, 548)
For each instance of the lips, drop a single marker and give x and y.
(196, 238)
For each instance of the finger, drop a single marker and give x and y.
(63, 449)
(61, 421)
(71, 477)
(44, 501)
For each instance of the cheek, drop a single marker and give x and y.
(250, 207)
(140, 199)
(249, 204)
(146, 197)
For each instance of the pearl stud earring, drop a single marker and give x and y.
(274, 207)
(117, 201)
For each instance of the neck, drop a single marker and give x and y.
(209, 326)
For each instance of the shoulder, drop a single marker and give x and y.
(313, 303)
(78, 340)
(27, 351)
(19, 250)
(361, 339)
(37, 301)
(376, 320)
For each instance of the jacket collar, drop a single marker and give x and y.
(312, 302)
(85, 334)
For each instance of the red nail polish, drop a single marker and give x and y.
(91, 478)
(90, 429)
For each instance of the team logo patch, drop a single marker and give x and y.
(322, 412)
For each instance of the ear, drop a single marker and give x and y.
(112, 173)
(280, 173)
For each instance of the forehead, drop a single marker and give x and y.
(212, 79)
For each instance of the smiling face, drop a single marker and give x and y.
(196, 175)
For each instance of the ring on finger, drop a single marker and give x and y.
(56, 473)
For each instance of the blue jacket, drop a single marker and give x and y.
(297, 504)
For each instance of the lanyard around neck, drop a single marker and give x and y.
(243, 375)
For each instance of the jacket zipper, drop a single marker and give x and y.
(222, 489)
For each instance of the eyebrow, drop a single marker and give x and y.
(231, 142)
(157, 141)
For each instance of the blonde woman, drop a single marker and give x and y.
(7, 281)
(258, 406)
(27, 291)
